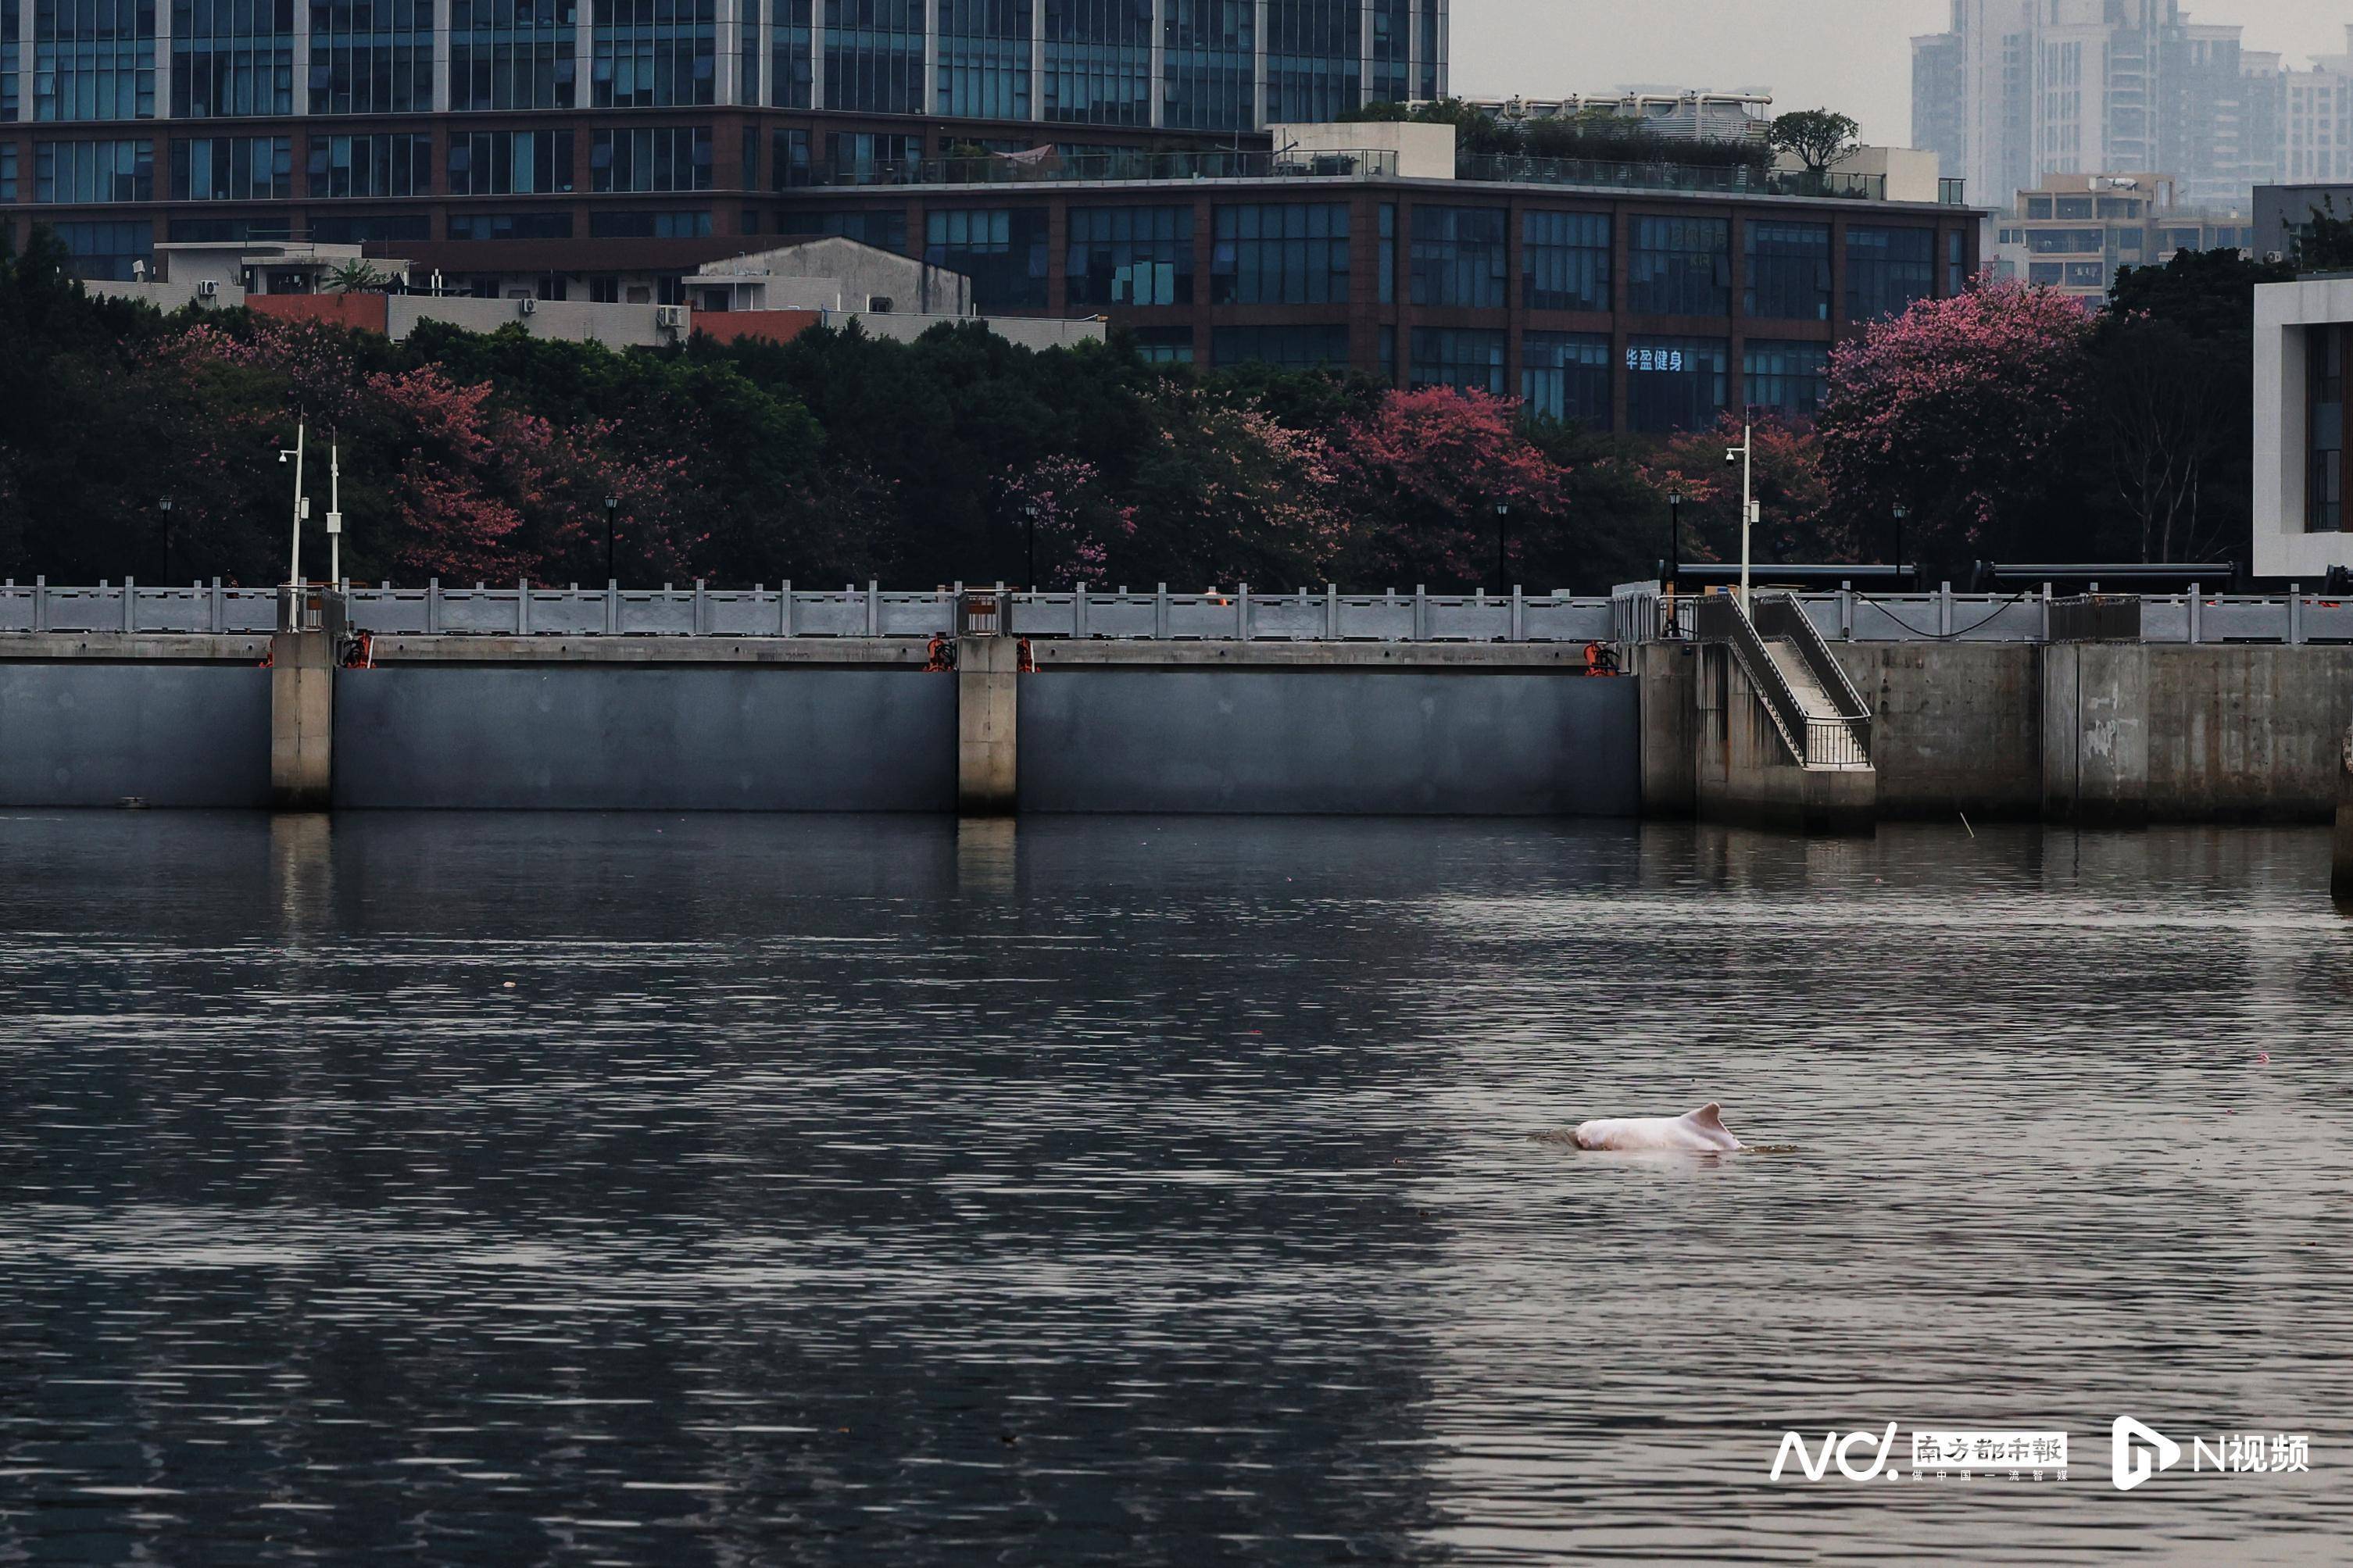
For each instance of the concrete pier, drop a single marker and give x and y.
(988, 725)
(302, 721)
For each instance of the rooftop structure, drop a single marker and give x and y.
(1684, 114)
(2074, 231)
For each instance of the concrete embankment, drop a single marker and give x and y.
(816, 724)
(2104, 734)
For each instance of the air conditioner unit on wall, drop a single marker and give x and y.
(525, 306)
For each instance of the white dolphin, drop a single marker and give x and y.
(1702, 1131)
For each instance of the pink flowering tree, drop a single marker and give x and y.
(1222, 491)
(1957, 410)
(1420, 477)
(1080, 526)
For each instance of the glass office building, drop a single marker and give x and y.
(1187, 65)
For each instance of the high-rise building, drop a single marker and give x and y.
(2017, 90)
(123, 122)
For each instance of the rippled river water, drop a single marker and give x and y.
(518, 1189)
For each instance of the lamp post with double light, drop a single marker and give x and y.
(612, 512)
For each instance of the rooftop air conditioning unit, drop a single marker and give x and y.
(673, 316)
(526, 305)
(207, 288)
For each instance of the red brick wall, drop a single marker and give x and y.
(774, 326)
(362, 310)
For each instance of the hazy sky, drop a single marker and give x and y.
(1854, 55)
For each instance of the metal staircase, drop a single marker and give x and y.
(1822, 719)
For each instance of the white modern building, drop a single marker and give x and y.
(2302, 332)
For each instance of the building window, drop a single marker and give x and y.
(1002, 251)
(1388, 252)
(862, 158)
(651, 158)
(1130, 256)
(2055, 241)
(1888, 268)
(2038, 206)
(1565, 376)
(1098, 61)
(2045, 273)
(512, 54)
(1956, 262)
(85, 171)
(1290, 348)
(509, 162)
(1463, 358)
(2074, 206)
(12, 62)
(654, 54)
(233, 169)
(788, 159)
(1680, 266)
(1674, 383)
(1315, 59)
(93, 61)
(510, 225)
(1280, 254)
(7, 171)
(1392, 51)
(344, 228)
(2324, 499)
(107, 250)
(398, 164)
(1564, 261)
(651, 226)
(791, 58)
(874, 56)
(232, 58)
(1210, 65)
(1791, 379)
(885, 231)
(1163, 345)
(984, 59)
(371, 57)
(2087, 275)
(1460, 257)
(1788, 271)
(1433, 52)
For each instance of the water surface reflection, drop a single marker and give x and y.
(574, 1189)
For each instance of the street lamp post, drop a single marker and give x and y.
(1901, 512)
(301, 504)
(612, 510)
(164, 506)
(1503, 569)
(1674, 530)
(1029, 543)
(1745, 456)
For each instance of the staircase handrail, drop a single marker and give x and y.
(1781, 615)
(1719, 618)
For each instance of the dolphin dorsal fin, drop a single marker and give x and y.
(1708, 1115)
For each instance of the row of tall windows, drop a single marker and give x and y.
(654, 54)
(512, 54)
(509, 164)
(1098, 61)
(92, 172)
(1315, 63)
(93, 59)
(1002, 250)
(371, 57)
(233, 169)
(1280, 254)
(651, 158)
(984, 59)
(2324, 490)
(12, 61)
(232, 57)
(1130, 256)
(397, 164)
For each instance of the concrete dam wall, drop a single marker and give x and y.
(819, 724)
(2098, 732)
